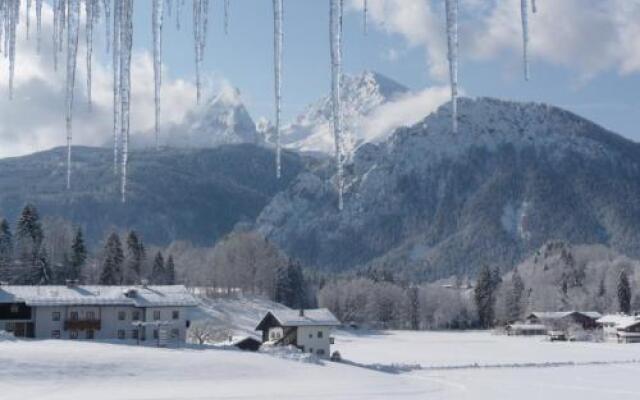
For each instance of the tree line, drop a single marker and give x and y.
(49, 252)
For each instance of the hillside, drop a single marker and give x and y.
(432, 204)
(187, 194)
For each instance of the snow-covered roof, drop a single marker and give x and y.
(628, 323)
(527, 327)
(550, 315)
(138, 296)
(616, 319)
(314, 317)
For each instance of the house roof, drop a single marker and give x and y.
(616, 319)
(628, 324)
(137, 296)
(550, 315)
(314, 317)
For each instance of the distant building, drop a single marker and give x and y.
(309, 330)
(611, 323)
(246, 343)
(138, 313)
(520, 329)
(559, 320)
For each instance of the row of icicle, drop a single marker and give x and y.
(119, 37)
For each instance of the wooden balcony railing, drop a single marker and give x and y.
(82, 324)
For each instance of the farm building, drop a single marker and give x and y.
(560, 320)
(138, 313)
(308, 330)
(520, 329)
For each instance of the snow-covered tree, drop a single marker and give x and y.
(6, 250)
(170, 271)
(624, 293)
(134, 259)
(78, 256)
(158, 271)
(112, 263)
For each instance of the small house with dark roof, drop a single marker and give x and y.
(308, 330)
(562, 319)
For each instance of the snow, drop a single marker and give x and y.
(317, 317)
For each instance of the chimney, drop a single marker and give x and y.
(302, 312)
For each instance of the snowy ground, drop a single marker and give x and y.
(473, 365)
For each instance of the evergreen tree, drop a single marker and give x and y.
(291, 285)
(283, 291)
(42, 273)
(78, 257)
(624, 293)
(413, 307)
(158, 271)
(135, 258)
(6, 251)
(112, 262)
(484, 296)
(515, 297)
(170, 272)
(29, 238)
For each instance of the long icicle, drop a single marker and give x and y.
(533, 6)
(14, 14)
(55, 34)
(335, 21)
(278, 37)
(73, 21)
(117, 19)
(89, 23)
(179, 4)
(524, 7)
(200, 18)
(365, 16)
(126, 32)
(157, 17)
(451, 7)
(106, 4)
(226, 16)
(38, 25)
(28, 17)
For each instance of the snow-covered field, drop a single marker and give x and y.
(472, 365)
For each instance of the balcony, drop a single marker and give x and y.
(82, 324)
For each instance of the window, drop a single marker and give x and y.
(73, 315)
(311, 336)
(155, 334)
(320, 334)
(120, 333)
(91, 316)
(55, 334)
(122, 315)
(134, 334)
(175, 333)
(14, 309)
(73, 334)
(135, 315)
(175, 314)
(90, 334)
(320, 352)
(156, 315)
(311, 351)
(55, 316)
(10, 327)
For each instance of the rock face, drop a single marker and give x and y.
(196, 194)
(432, 204)
(361, 94)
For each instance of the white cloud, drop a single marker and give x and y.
(404, 111)
(34, 119)
(585, 36)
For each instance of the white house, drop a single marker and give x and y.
(309, 330)
(611, 323)
(96, 312)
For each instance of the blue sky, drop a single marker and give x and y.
(584, 57)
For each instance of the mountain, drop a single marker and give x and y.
(190, 194)
(361, 94)
(222, 119)
(432, 203)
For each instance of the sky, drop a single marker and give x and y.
(585, 57)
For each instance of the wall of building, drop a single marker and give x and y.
(315, 339)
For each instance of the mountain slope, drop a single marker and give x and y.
(194, 195)
(433, 204)
(361, 94)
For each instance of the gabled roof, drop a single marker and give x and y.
(314, 317)
(137, 296)
(628, 324)
(616, 319)
(551, 315)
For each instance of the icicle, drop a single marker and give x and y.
(28, 17)
(157, 18)
(168, 7)
(90, 6)
(61, 24)
(533, 6)
(2, 5)
(451, 7)
(524, 5)
(73, 22)
(226, 17)
(38, 25)
(200, 18)
(336, 83)
(365, 16)
(14, 13)
(126, 32)
(117, 12)
(278, 37)
(56, 31)
(107, 23)
(179, 4)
